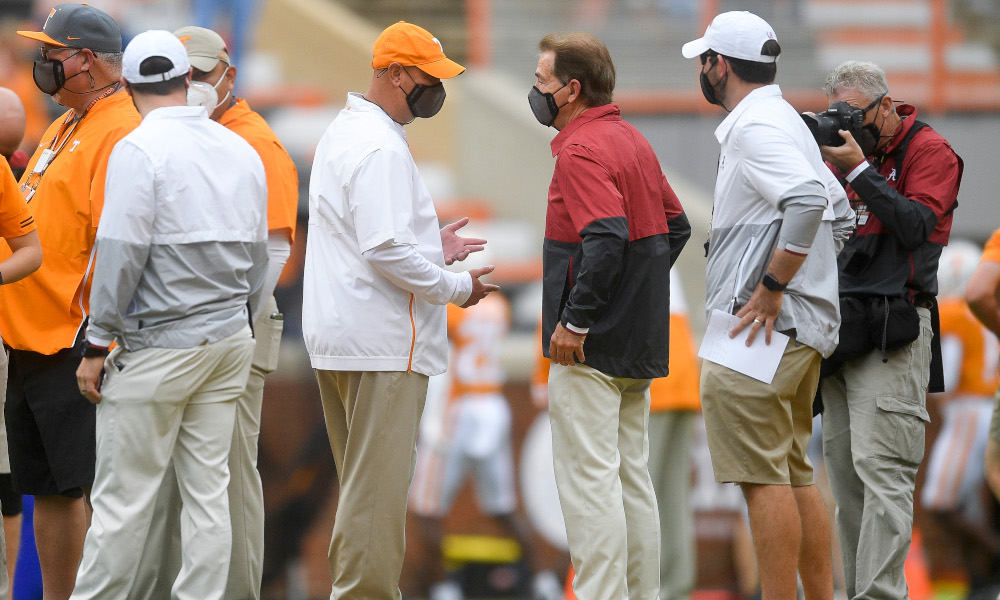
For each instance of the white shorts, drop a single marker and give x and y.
(475, 435)
(955, 469)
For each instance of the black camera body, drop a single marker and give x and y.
(825, 126)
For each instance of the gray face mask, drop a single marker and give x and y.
(869, 135)
(48, 74)
(425, 101)
(543, 105)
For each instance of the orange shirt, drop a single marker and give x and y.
(15, 218)
(282, 178)
(44, 311)
(678, 390)
(978, 375)
(476, 335)
(991, 251)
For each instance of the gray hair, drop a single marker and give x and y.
(865, 77)
(112, 61)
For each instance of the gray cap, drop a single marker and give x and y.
(79, 26)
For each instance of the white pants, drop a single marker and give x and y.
(599, 449)
(163, 405)
(161, 558)
(956, 468)
(476, 438)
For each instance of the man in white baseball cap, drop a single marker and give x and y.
(213, 77)
(779, 219)
(181, 260)
(736, 34)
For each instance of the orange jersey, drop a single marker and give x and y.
(978, 375)
(15, 218)
(991, 251)
(476, 335)
(679, 389)
(282, 178)
(44, 312)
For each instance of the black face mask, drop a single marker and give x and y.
(49, 75)
(707, 89)
(870, 135)
(425, 101)
(543, 105)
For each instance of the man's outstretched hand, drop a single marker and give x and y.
(456, 247)
(480, 289)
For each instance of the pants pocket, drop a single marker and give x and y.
(267, 331)
(898, 431)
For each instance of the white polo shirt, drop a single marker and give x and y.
(767, 157)
(366, 198)
(767, 154)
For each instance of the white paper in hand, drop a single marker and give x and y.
(759, 360)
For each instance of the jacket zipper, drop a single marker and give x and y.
(739, 274)
(413, 340)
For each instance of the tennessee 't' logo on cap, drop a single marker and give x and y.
(51, 14)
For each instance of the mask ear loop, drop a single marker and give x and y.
(218, 83)
(877, 102)
(550, 99)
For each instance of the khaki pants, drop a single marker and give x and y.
(873, 442)
(372, 420)
(163, 405)
(600, 448)
(759, 432)
(161, 557)
(670, 439)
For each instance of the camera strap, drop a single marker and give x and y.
(899, 154)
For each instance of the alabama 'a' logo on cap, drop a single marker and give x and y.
(52, 13)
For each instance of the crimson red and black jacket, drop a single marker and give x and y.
(904, 214)
(613, 229)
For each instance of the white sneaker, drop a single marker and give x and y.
(546, 586)
(445, 590)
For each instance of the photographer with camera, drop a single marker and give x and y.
(902, 179)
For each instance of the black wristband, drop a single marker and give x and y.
(771, 282)
(92, 351)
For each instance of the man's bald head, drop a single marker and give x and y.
(12, 122)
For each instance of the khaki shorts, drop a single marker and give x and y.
(995, 421)
(758, 433)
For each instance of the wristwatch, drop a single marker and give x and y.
(92, 351)
(771, 282)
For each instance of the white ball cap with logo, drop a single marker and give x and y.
(736, 34)
(148, 44)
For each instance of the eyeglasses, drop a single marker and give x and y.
(873, 103)
(708, 55)
(44, 53)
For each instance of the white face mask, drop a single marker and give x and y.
(201, 93)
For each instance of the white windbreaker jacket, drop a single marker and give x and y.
(374, 284)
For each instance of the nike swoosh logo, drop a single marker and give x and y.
(71, 38)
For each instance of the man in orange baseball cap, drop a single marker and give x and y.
(373, 313)
(406, 45)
